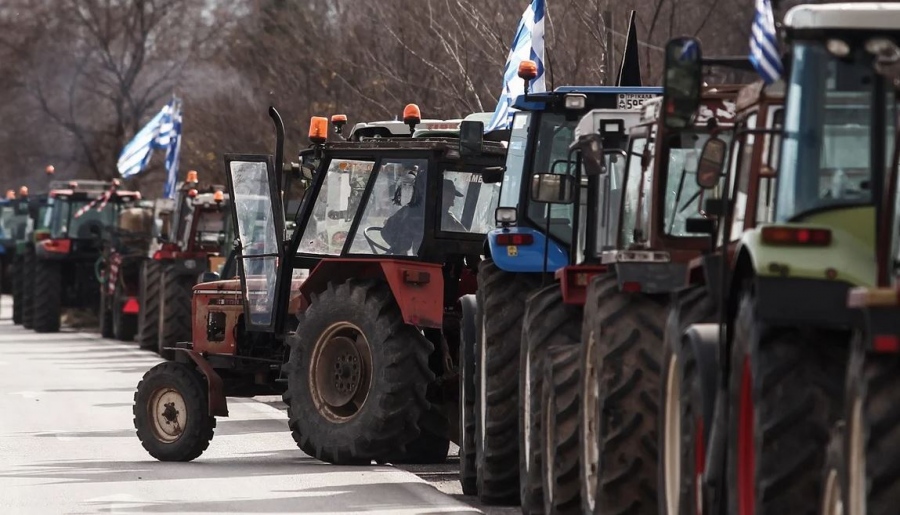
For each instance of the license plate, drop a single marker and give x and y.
(632, 101)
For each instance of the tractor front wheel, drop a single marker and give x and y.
(174, 311)
(47, 296)
(357, 378)
(171, 412)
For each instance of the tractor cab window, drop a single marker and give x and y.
(515, 160)
(635, 209)
(467, 203)
(335, 207)
(611, 187)
(210, 228)
(555, 134)
(825, 157)
(393, 222)
(81, 218)
(683, 196)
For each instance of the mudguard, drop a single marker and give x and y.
(526, 258)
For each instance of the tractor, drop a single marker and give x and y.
(67, 253)
(365, 349)
(13, 219)
(125, 248)
(541, 132)
(195, 242)
(778, 348)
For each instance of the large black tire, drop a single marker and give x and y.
(373, 408)
(497, 405)
(106, 316)
(47, 296)
(18, 285)
(125, 325)
(786, 392)
(833, 479)
(559, 429)
(149, 300)
(626, 334)
(174, 310)
(28, 284)
(171, 412)
(872, 445)
(547, 322)
(684, 420)
(468, 330)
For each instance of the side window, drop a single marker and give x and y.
(393, 220)
(765, 204)
(335, 207)
(467, 203)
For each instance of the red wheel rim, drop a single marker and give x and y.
(699, 465)
(746, 456)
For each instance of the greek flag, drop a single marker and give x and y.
(764, 52)
(162, 132)
(528, 44)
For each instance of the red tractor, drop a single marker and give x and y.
(193, 242)
(365, 349)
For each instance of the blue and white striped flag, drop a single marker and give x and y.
(764, 52)
(162, 132)
(528, 44)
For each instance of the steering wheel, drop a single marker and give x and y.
(374, 245)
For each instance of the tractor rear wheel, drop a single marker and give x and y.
(357, 377)
(174, 310)
(47, 296)
(786, 391)
(18, 285)
(684, 422)
(149, 300)
(872, 434)
(468, 473)
(547, 322)
(559, 430)
(497, 376)
(28, 291)
(106, 316)
(171, 412)
(627, 331)
(124, 324)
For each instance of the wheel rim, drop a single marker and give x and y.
(832, 504)
(591, 451)
(340, 372)
(857, 479)
(168, 414)
(746, 454)
(672, 427)
(549, 446)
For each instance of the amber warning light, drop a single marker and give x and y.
(318, 129)
(528, 70)
(218, 196)
(192, 177)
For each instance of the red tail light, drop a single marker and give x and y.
(796, 236)
(515, 239)
(631, 287)
(131, 306)
(886, 343)
(59, 246)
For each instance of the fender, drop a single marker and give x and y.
(417, 287)
(218, 406)
(527, 258)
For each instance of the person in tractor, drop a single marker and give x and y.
(449, 222)
(403, 230)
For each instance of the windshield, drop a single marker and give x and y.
(210, 228)
(79, 219)
(683, 195)
(335, 207)
(826, 150)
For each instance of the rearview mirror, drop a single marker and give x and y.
(553, 188)
(471, 138)
(591, 147)
(711, 163)
(682, 82)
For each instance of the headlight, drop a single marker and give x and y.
(505, 215)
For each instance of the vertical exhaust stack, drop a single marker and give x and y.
(630, 70)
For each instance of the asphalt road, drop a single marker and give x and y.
(67, 445)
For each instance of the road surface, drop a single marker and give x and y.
(67, 445)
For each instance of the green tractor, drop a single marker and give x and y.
(779, 348)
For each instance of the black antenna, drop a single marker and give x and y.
(279, 144)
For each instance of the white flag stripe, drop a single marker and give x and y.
(764, 54)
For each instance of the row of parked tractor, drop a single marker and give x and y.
(635, 300)
(92, 250)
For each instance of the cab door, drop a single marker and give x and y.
(259, 221)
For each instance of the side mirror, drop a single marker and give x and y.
(553, 188)
(682, 81)
(471, 138)
(711, 163)
(591, 147)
